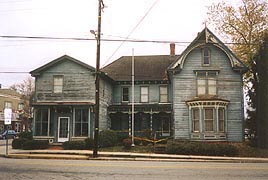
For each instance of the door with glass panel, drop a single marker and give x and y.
(63, 129)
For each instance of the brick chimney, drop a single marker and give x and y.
(172, 49)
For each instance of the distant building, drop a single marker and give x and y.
(13, 100)
(197, 95)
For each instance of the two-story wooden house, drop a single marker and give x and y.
(64, 100)
(197, 95)
(152, 94)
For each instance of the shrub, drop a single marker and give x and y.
(35, 144)
(121, 136)
(127, 143)
(26, 135)
(89, 143)
(18, 143)
(201, 148)
(74, 145)
(107, 138)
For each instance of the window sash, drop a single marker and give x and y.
(195, 120)
(201, 86)
(221, 119)
(125, 94)
(41, 122)
(206, 86)
(212, 86)
(81, 122)
(209, 120)
(206, 57)
(8, 105)
(144, 94)
(58, 84)
(163, 94)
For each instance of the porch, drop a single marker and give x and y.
(148, 118)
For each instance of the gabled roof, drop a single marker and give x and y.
(58, 60)
(207, 37)
(147, 68)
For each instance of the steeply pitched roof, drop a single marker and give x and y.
(58, 60)
(204, 37)
(147, 68)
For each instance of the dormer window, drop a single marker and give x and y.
(206, 57)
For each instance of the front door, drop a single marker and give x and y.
(63, 129)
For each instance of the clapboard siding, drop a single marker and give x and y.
(228, 87)
(154, 93)
(105, 101)
(78, 83)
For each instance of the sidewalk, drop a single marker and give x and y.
(127, 156)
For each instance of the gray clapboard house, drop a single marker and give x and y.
(197, 95)
(207, 91)
(64, 100)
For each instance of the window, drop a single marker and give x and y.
(8, 105)
(212, 86)
(206, 56)
(20, 106)
(81, 122)
(41, 122)
(196, 119)
(206, 84)
(125, 94)
(163, 94)
(58, 84)
(165, 126)
(144, 94)
(221, 119)
(209, 120)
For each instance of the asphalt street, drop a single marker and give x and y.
(40, 169)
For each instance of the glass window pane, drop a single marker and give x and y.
(212, 88)
(206, 56)
(221, 119)
(195, 120)
(163, 94)
(125, 94)
(144, 94)
(201, 86)
(209, 119)
(81, 122)
(58, 84)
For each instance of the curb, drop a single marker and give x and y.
(115, 156)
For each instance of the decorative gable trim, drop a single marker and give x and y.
(204, 38)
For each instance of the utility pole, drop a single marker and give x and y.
(97, 83)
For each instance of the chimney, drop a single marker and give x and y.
(172, 49)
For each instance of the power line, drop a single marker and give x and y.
(109, 40)
(130, 32)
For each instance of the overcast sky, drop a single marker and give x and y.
(168, 20)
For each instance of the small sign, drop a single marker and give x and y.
(8, 116)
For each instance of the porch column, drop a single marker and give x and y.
(151, 120)
(129, 123)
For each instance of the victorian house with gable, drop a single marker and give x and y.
(193, 96)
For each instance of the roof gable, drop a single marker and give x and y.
(207, 37)
(43, 68)
(147, 68)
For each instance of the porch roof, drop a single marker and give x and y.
(54, 103)
(148, 108)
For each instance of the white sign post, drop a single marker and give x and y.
(8, 117)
